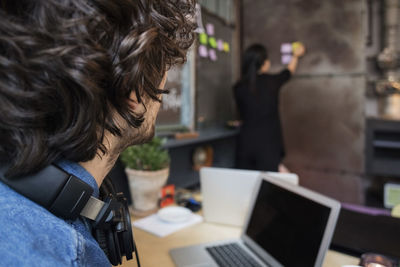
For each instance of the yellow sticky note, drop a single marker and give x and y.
(296, 45)
(396, 211)
(203, 38)
(213, 42)
(226, 47)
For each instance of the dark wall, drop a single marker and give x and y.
(322, 107)
(214, 79)
(333, 32)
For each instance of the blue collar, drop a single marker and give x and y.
(80, 172)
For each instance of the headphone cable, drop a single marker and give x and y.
(136, 253)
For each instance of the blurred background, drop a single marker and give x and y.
(340, 112)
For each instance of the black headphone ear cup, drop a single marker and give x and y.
(127, 244)
(108, 242)
(127, 240)
(101, 238)
(116, 237)
(113, 248)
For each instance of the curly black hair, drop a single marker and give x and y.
(67, 65)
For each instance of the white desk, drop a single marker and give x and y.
(153, 251)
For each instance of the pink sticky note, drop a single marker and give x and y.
(212, 54)
(286, 48)
(203, 52)
(286, 59)
(210, 29)
(220, 45)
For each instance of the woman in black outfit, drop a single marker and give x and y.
(260, 144)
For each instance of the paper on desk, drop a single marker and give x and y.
(156, 226)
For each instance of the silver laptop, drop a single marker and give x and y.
(286, 225)
(227, 193)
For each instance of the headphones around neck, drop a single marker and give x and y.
(68, 197)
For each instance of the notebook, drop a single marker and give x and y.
(227, 192)
(286, 225)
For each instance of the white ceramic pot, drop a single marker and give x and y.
(145, 189)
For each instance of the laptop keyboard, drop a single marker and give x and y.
(231, 255)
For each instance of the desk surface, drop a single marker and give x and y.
(153, 251)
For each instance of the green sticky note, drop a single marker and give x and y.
(212, 42)
(226, 47)
(394, 196)
(203, 38)
(391, 195)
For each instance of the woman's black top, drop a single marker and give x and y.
(260, 142)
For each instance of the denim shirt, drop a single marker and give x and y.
(32, 236)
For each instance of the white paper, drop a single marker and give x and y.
(154, 225)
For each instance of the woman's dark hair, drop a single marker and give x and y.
(67, 65)
(253, 59)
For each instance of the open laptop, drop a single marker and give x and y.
(286, 225)
(227, 193)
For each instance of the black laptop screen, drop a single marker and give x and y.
(287, 226)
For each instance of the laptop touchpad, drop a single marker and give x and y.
(193, 256)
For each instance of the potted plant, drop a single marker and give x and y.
(147, 169)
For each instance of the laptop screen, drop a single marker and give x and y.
(287, 226)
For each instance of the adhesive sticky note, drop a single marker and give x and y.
(391, 192)
(295, 45)
(203, 38)
(286, 59)
(210, 29)
(203, 51)
(396, 211)
(212, 54)
(220, 45)
(286, 48)
(226, 47)
(212, 42)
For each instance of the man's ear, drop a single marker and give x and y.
(133, 102)
(134, 105)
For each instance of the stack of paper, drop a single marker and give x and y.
(154, 225)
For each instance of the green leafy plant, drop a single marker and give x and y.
(147, 157)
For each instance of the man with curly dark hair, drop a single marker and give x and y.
(80, 80)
